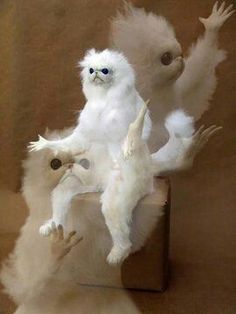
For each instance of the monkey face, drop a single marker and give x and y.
(106, 68)
(169, 63)
(100, 75)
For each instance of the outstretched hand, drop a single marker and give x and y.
(61, 245)
(218, 17)
(38, 145)
(191, 146)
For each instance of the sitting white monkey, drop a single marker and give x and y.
(131, 179)
(108, 87)
(112, 104)
(123, 186)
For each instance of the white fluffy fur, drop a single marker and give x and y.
(124, 184)
(87, 262)
(168, 87)
(183, 144)
(112, 104)
(132, 180)
(178, 123)
(29, 262)
(44, 292)
(128, 180)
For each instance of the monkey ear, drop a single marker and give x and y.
(85, 62)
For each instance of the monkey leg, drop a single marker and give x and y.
(117, 220)
(118, 201)
(61, 197)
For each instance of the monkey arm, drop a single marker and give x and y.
(76, 142)
(197, 83)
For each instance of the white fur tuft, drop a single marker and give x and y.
(178, 123)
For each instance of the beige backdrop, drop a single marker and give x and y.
(41, 42)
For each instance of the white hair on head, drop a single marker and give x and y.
(108, 56)
(117, 64)
(153, 29)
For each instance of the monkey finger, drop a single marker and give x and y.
(60, 232)
(53, 227)
(211, 130)
(207, 135)
(198, 132)
(221, 8)
(32, 147)
(207, 130)
(69, 236)
(64, 253)
(53, 232)
(215, 7)
(228, 9)
(228, 15)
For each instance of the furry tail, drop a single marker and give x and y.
(179, 124)
(171, 157)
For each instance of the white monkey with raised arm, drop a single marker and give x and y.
(113, 103)
(163, 75)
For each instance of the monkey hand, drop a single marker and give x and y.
(218, 17)
(192, 145)
(61, 245)
(42, 143)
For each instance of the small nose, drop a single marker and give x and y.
(70, 165)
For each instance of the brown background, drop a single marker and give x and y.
(41, 42)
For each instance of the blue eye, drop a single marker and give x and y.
(91, 70)
(105, 71)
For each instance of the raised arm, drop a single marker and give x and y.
(197, 83)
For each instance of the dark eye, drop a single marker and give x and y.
(84, 163)
(55, 163)
(105, 71)
(91, 70)
(166, 58)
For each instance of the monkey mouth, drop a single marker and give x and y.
(179, 71)
(97, 79)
